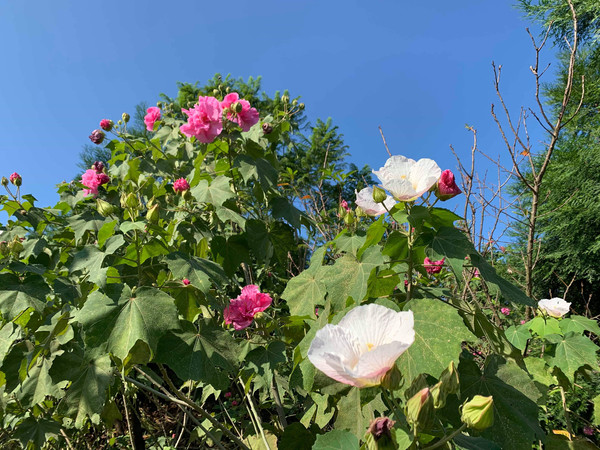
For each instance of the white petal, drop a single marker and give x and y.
(424, 174)
(555, 307)
(374, 325)
(372, 366)
(401, 189)
(396, 167)
(333, 350)
(364, 199)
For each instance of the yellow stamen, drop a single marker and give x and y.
(370, 347)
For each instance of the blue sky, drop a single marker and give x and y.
(421, 70)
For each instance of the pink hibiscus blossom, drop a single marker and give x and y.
(446, 186)
(344, 204)
(204, 120)
(433, 266)
(181, 185)
(505, 311)
(240, 111)
(241, 310)
(93, 180)
(153, 114)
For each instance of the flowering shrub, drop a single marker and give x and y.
(204, 301)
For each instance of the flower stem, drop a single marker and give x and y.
(448, 438)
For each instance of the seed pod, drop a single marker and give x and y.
(379, 194)
(478, 413)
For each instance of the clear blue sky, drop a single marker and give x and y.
(421, 70)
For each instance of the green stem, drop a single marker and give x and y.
(448, 438)
(410, 259)
(256, 416)
(566, 411)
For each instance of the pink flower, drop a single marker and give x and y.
(93, 180)
(433, 266)
(234, 403)
(240, 111)
(241, 310)
(446, 186)
(344, 204)
(204, 120)
(227, 394)
(186, 281)
(15, 179)
(588, 431)
(106, 124)
(505, 311)
(476, 273)
(181, 185)
(153, 114)
(97, 136)
(523, 322)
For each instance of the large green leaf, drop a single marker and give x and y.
(8, 334)
(355, 411)
(201, 272)
(264, 360)
(90, 220)
(281, 208)
(257, 168)
(518, 336)
(572, 352)
(216, 193)
(516, 423)
(38, 383)
(579, 324)
(89, 377)
(439, 334)
(208, 354)
(117, 319)
(89, 259)
(304, 291)
(543, 326)
(17, 295)
(37, 431)
(295, 437)
(349, 277)
(336, 440)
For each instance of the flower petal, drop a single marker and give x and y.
(372, 366)
(396, 167)
(401, 189)
(364, 199)
(424, 174)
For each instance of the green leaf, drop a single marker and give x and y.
(349, 243)
(89, 259)
(202, 273)
(573, 352)
(257, 168)
(518, 336)
(516, 423)
(89, 378)
(374, 234)
(579, 324)
(441, 217)
(36, 430)
(349, 277)
(215, 194)
(8, 334)
(281, 208)
(336, 440)
(233, 251)
(303, 292)
(295, 437)
(396, 246)
(118, 318)
(17, 295)
(355, 417)
(90, 220)
(107, 230)
(596, 402)
(38, 383)
(208, 354)
(474, 443)
(257, 236)
(264, 360)
(544, 326)
(439, 334)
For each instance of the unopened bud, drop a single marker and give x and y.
(392, 379)
(4, 251)
(106, 124)
(237, 107)
(450, 379)
(301, 106)
(419, 409)
(379, 194)
(125, 117)
(153, 214)
(123, 200)
(267, 128)
(4, 181)
(98, 166)
(159, 104)
(132, 201)
(104, 208)
(285, 98)
(349, 218)
(228, 89)
(215, 92)
(15, 247)
(478, 413)
(379, 435)
(16, 179)
(97, 136)
(439, 395)
(294, 102)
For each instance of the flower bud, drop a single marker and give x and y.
(106, 124)
(379, 435)
(301, 106)
(97, 136)
(392, 379)
(419, 409)
(16, 179)
(123, 200)
(379, 195)
(104, 208)
(237, 107)
(4, 181)
(132, 201)
(285, 98)
(294, 102)
(125, 117)
(446, 187)
(4, 251)
(15, 247)
(349, 218)
(267, 128)
(98, 166)
(478, 413)
(449, 379)
(439, 395)
(153, 214)
(215, 92)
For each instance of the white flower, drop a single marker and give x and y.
(555, 307)
(364, 346)
(364, 199)
(406, 179)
